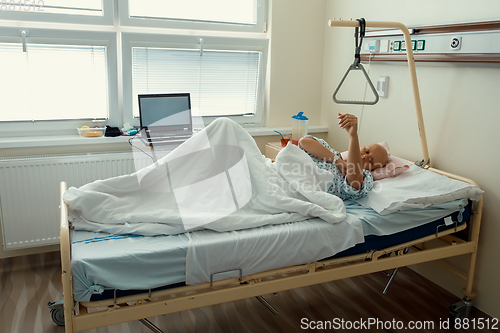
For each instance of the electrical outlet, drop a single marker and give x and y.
(374, 46)
(456, 43)
(382, 85)
(384, 45)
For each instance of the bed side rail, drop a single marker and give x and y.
(66, 276)
(474, 233)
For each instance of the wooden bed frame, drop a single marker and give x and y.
(88, 315)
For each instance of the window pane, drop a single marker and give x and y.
(51, 82)
(72, 7)
(220, 82)
(226, 11)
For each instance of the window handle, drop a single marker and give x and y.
(200, 41)
(23, 34)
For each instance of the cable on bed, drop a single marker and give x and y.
(130, 143)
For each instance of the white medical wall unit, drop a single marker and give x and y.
(475, 42)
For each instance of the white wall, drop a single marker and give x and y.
(297, 29)
(461, 113)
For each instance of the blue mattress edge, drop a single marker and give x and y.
(373, 242)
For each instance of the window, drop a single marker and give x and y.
(224, 15)
(222, 11)
(225, 76)
(69, 11)
(53, 82)
(65, 79)
(72, 7)
(221, 83)
(73, 73)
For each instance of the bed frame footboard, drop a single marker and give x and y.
(475, 225)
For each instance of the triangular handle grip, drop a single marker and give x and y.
(351, 68)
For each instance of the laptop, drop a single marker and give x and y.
(165, 118)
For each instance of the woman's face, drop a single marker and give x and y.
(374, 156)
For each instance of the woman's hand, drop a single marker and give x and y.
(353, 168)
(348, 122)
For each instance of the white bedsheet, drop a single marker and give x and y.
(254, 251)
(218, 180)
(414, 189)
(104, 261)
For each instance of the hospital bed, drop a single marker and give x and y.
(408, 247)
(116, 306)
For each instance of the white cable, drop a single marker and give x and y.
(364, 97)
(130, 143)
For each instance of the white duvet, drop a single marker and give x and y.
(218, 180)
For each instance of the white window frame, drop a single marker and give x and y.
(260, 26)
(65, 37)
(130, 40)
(31, 16)
(115, 30)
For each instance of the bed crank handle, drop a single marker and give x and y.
(225, 271)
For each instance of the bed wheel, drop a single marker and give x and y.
(57, 312)
(58, 316)
(461, 309)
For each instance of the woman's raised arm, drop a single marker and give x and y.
(354, 165)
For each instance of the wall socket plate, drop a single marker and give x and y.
(455, 43)
(382, 86)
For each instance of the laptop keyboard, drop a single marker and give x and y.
(170, 138)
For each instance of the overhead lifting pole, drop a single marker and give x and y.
(413, 73)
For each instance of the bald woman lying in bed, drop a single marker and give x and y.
(352, 178)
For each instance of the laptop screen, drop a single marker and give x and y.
(165, 110)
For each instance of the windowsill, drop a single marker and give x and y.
(264, 131)
(71, 140)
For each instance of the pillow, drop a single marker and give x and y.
(416, 189)
(393, 167)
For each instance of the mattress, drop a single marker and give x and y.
(103, 262)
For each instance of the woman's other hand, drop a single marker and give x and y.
(348, 122)
(342, 165)
(315, 148)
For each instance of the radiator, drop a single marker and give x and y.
(29, 191)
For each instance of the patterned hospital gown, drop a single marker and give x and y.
(340, 186)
